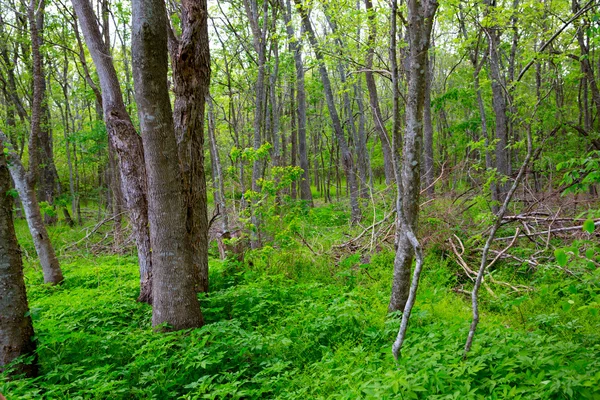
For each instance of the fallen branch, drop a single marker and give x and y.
(94, 230)
(550, 231)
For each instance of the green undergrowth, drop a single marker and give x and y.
(299, 323)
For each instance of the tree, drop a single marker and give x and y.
(173, 287)
(25, 180)
(419, 25)
(347, 158)
(126, 141)
(296, 49)
(16, 329)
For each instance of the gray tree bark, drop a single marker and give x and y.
(125, 140)
(16, 329)
(420, 22)
(174, 276)
(191, 76)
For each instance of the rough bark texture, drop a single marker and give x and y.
(347, 159)
(173, 286)
(125, 140)
(305, 192)
(384, 137)
(420, 22)
(16, 330)
(191, 76)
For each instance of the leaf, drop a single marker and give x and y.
(589, 254)
(561, 257)
(589, 226)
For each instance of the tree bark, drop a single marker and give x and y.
(125, 140)
(174, 276)
(191, 76)
(16, 329)
(420, 22)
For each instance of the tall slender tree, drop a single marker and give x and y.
(126, 141)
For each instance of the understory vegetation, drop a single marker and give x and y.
(306, 317)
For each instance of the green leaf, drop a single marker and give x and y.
(589, 226)
(561, 257)
(589, 254)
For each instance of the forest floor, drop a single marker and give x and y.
(302, 319)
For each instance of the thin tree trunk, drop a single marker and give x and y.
(429, 172)
(126, 142)
(500, 108)
(16, 329)
(384, 137)
(335, 119)
(174, 273)
(305, 192)
(218, 181)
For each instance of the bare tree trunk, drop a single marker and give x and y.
(335, 119)
(16, 329)
(305, 192)
(191, 76)
(218, 181)
(259, 34)
(500, 108)
(384, 137)
(174, 274)
(25, 181)
(420, 22)
(126, 142)
(428, 167)
(26, 191)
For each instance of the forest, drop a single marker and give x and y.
(297, 199)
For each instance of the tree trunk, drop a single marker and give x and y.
(25, 181)
(126, 142)
(305, 192)
(174, 276)
(384, 137)
(428, 167)
(191, 77)
(500, 108)
(16, 329)
(259, 35)
(335, 119)
(420, 22)
(218, 181)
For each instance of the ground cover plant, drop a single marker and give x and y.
(288, 323)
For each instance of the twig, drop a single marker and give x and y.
(98, 225)
(565, 229)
